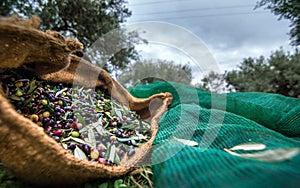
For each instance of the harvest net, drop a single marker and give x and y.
(218, 121)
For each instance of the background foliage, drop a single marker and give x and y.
(280, 73)
(286, 9)
(86, 20)
(148, 71)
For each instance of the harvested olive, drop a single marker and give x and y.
(83, 119)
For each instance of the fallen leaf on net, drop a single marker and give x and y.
(274, 155)
(249, 146)
(186, 142)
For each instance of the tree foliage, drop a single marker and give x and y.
(280, 73)
(115, 51)
(213, 82)
(149, 71)
(86, 20)
(252, 75)
(287, 9)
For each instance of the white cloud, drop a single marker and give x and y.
(233, 30)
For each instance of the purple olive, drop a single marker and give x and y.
(86, 149)
(131, 152)
(72, 145)
(59, 132)
(56, 138)
(121, 152)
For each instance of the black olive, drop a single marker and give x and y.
(79, 53)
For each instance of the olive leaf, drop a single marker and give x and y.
(100, 130)
(88, 90)
(106, 156)
(66, 139)
(49, 108)
(127, 127)
(80, 118)
(78, 140)
(117, 159)
(249, 146)
(108, 115)
(54, 89)
(91, 136)
(66, 115)
(117, 183)
(186, 142)
(275, 155)
(112, 153)
(61, 91)
(140, 136)
(84, 129)
(28, 100)
(133, 142)
(16, 98)
(113, 112)
(115, 103)
(145, 125)
(91, 100)
(78, 153)
(106, 125)
(103, 185)
(119, 114)
(131, 138)
(32, 86)
(80, 89)
(23, 80)
(125, 110)
(65, 146)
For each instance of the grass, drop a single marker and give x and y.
(139, 178)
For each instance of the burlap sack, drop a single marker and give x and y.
(24, 148)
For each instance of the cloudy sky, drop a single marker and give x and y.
(230, 29)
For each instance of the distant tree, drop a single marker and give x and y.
(149, 71)
(115, 50)
(213, 82)
(86, 20)
(6, 7)
(287, 9)
(254, 74)
(280, 73)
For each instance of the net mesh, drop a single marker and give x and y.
(218, 121)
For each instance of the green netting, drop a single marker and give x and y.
(221, 121)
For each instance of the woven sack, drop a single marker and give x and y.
(24, 148)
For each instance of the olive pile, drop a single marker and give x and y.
(85, 121)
